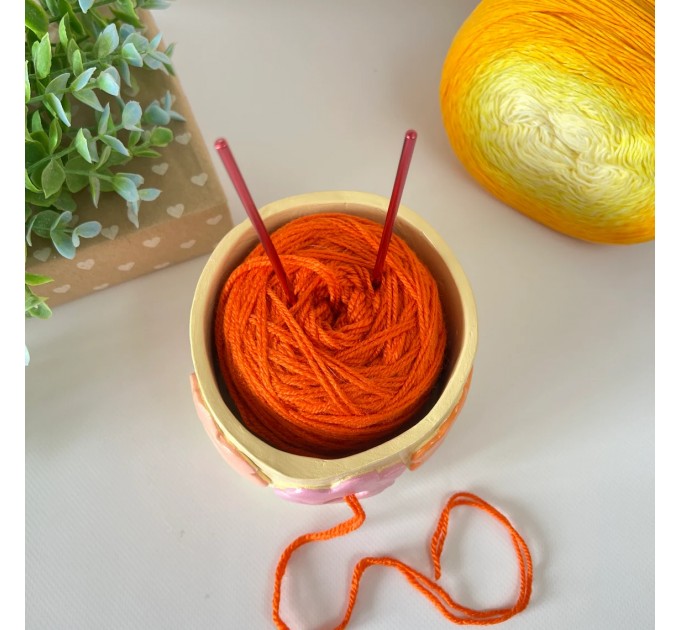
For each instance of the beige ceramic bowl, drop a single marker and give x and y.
(317, 480)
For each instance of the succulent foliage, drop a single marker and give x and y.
(83, 124)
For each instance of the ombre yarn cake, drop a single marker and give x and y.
(550, 106)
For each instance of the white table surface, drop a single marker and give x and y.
(132, 519)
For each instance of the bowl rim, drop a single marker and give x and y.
(286, 469)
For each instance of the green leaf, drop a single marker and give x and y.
(65, 202)
(127, 14)
(33, 152)
(29, 228)
(35, 279)
(77, 63)
(35, 18)
(148, 194)
(126, 188)
(162, 57)
(136, 179)
(88, 229)
(63, 31)
(55, 135)
(35, 307)
(62, 221)
(115, 144)
(63, 244)
(71, 50)
(75, 182)
(38, 199)
(107, 83)
(28, 184)
(54, 105)
(156, 4)
(66, 105)
(124, 69)
(85, 5)
(52, 177)
(133, 212)
(95, 189)
(132, 56)
(151, 62)
(134, 138)
(41, 311)
(107, 41)
(161, 137)
(89, 98)
(73, 19)
(103, 124)
(43, 221)
(53, 7)
(58, 84)
(36, 121)
(80, 143)
(106, 152)
(115, 159)
(147, 153)
(41, 137)
(125, 31)
(156, 115)
(82, 79)
(91, 145)
(132, 115)
(138, 40)
(43, 57)
(153, 44)
(27, 85)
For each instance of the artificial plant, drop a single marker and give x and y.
(84, 128)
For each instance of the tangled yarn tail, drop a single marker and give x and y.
(439, 597)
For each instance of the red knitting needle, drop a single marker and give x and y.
(395, 199)
(239, 184)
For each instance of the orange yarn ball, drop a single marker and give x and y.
(348, 366)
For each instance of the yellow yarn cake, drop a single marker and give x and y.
(550, 106)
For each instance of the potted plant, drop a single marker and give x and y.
(86, 130)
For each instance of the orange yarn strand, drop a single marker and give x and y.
(436, 594)
(347, 366)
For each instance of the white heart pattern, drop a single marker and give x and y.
(62, 289)
(175, 211)
(214, 220)
(42, 254)
(160, 169)
(162, 265)
(110, 232)
(99, 287)
(183, 138)
(86, 264)
(200, 179)
(126, 266)
(152, 242)
(188, 244)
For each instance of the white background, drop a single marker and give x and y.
(132, 520)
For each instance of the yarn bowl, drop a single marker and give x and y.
(549, 106)
(316, 480)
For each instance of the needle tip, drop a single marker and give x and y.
(220, 143)
(411, 134)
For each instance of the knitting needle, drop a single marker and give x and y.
(246, 199)
(395, 199)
